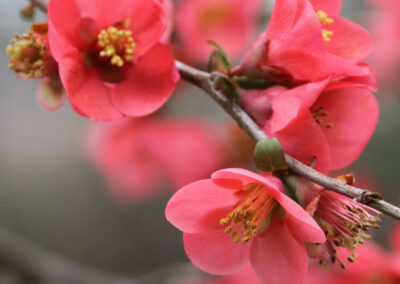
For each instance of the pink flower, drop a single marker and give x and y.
(111, 61)
(308, 41)
(31, 58)
(316, 120)
(384, 24)
(169, 10)
(345, 222)
(372, 265)
(137, 156)
(238, 218)
(245, 275)
(231, 23)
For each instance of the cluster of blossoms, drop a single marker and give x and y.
(115, 61)
(374, 265)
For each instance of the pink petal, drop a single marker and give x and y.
(64, 19)
(367, 81)
(277, 256)
(304, 139)
(121, 150)
(148, 22)
(50, 94)
(349, 40)
(283, 17)
(246, 275)
(331, 7)
(354, 114)
(148, 84)
(85, 89)
(181, 143)
(240, 177)
(300, 222)
(301, 53)
(293, 103)
(198, 207)
(395, 239)
(216, 252)
(233, 26)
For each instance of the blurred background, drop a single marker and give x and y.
(51, 194)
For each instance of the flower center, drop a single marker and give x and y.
(325, 20)
(117, 46)
(250, 216)
(345, 223)
(27, 53)
(319, 114)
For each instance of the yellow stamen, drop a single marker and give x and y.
(319, 115)
(249, 216)
(324, 19)
(117, 46)
(327, 34)
(27, 53)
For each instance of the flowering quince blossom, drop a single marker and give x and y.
(136, 156)
(373, 265)
(238, 218)
(169, 10)
(30, 58)
(316, 120)
(384, 23)
(245, 275)
(231, 23)
(307, 40)
(344, 221)
(110, 58)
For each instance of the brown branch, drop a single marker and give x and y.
(34, 262)
(38, 263)
(205, 81)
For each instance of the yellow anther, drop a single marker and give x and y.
(329, 125)
(27, 53)
(228, 230)
(323, 17)
(117, 46)
(326, 34)
(247, 218)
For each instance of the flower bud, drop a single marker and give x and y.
(257, 103)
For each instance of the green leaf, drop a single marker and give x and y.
(251, 83)
(218, 60)
(228, 87)
(269, 156)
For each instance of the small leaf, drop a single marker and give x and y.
(251, 83)
(218, 60)
(228, 87)
(269, 156)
